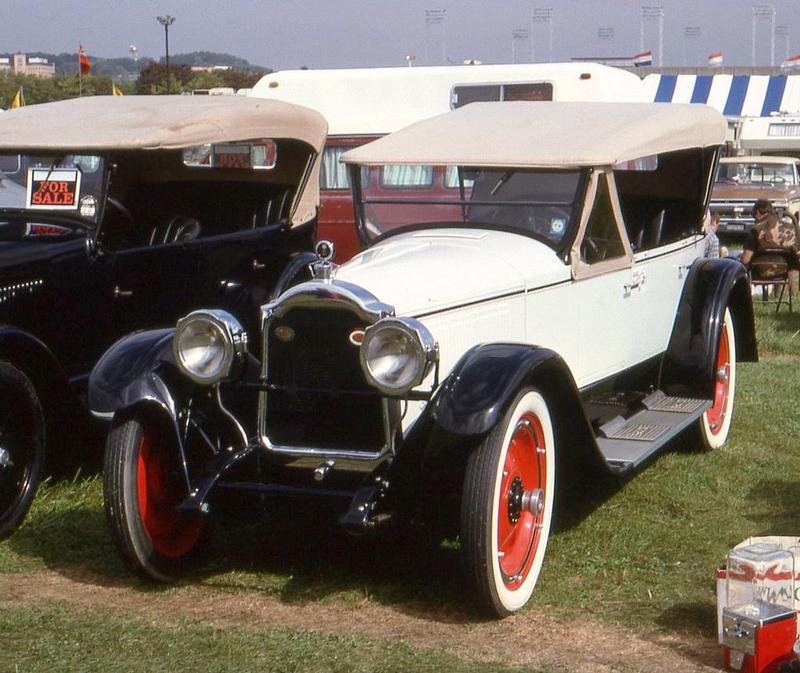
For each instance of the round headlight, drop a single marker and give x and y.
(396, 354)
(205, 345)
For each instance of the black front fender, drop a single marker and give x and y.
(128, 374)
(712, 286)
(477, 392)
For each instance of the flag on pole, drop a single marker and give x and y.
(83, 61)
(715, 59)
(643, 58)
(791, 64)
(115, 90)
(19, 99)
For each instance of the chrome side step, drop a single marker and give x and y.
(627, 441)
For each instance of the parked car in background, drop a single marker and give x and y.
(121, 213)
(741, 181)
(553, 308)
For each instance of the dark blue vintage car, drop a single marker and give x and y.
(124, 213)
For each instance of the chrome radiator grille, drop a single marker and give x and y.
(317, 397)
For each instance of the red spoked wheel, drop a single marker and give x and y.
(144, 485)
(507, 506)
(716, 421)
(161, 487)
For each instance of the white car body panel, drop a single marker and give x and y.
(524, 293)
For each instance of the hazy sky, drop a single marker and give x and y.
(285, 34)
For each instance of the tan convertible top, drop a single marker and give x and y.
(546, 135)
(119, 123)
(102, 123)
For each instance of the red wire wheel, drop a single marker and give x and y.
(507, 506)
(143, 487)
(161, 488)
(518, 526)
(716, 421)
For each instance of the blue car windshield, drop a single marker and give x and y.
(537, 203)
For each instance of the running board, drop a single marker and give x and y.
(626, 442)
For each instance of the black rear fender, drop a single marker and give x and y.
(32, 356)
(690, 361)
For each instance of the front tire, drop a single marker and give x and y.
(715, 423)
(143, 486)
(507, 506)
(22, 446)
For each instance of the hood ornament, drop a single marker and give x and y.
(324, 268)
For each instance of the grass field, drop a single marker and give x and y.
(638, 554)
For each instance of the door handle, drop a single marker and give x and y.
(637, 281)
(119, 292)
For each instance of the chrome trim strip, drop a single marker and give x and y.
(103, 415)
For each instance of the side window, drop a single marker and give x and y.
(406, 176)
(333, 173)
(602, 238)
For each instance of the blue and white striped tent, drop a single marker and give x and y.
(732, 95)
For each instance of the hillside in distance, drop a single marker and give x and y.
(126, 68)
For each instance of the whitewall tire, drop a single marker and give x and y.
(716, 421)
(507, 506)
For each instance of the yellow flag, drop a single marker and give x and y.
(116, 90)
(19, 99)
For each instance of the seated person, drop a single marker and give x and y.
(772, 232)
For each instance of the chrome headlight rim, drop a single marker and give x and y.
(424, 356)
(234, 342)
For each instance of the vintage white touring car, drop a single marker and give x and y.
(553, 305)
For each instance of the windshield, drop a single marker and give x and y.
(754, 173)
(537, 203)
(66, 189)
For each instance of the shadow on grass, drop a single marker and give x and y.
(692, 619)
(301, 556)
(774, 505)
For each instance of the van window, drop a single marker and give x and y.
(406, 176)
(333, 173)
(463, 94)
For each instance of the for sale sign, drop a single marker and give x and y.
(56, 189)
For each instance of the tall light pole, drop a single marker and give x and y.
(166, 21)
(690, 33)
(605, 34)
(518, 35)
(653, 13)
(783, 31)
(763, 12)
(433, 18)
(544, 15)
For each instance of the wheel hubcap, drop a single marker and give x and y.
(522, 499)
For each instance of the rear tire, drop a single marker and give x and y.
(22, 446)
(715, 423)
(143, 485)
(507, 506)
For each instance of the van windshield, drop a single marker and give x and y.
(538, 203)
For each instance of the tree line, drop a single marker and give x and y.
(152, 80)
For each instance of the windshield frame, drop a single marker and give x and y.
(561, 248)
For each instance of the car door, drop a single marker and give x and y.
(148, 286)
(236, 270)
(608, 286)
